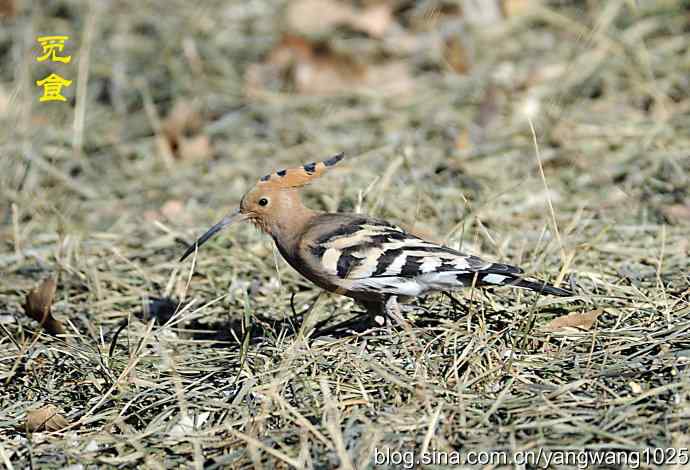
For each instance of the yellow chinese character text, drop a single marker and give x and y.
(51, 46)
(52, 86)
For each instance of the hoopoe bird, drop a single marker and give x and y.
(372, 261)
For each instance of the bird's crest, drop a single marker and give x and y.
(300, 176)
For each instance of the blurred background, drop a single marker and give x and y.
(173, 112)
(550, 134)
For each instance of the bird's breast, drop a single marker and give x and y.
(296, 259)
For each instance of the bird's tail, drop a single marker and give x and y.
(540, 286)
(506, 275)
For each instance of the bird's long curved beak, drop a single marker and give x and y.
(234, 216)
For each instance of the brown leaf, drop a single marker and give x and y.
(45, 418)
(635, 387)
(38, 304)
(517, 7)
(181, 129)
(195, 148)
(677, 213)
(328, 75)
(306, 67)
(374, 20)
(573, 321)
(463, 141)
(318, 17)
(183, 117)
(151, 215)
(172, 209)
(8, 8)
(313, 68)
(456, 55)
(317, 69)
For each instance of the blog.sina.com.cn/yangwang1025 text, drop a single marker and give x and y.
(542, 458)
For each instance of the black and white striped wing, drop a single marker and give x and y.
(371, 256)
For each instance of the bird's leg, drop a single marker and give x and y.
(386, 312)
(393, 313)
(453, 302)
(405, 306)
(375, 311)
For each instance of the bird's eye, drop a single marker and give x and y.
(263, 201)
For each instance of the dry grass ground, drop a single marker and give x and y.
(165, 367)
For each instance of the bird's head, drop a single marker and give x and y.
(272, 201)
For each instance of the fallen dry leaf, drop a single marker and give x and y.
(8, 8)
(463, 140)
(172, 209)
(635, 387)
(573, 321)
(315, 69)
(38, 304)
(183, 117)
(374, 20)
(301, 17)
(151, 215)
(317, 17)
(677, 213)
(194, 148)
(45, 418)
(513, 8)
(181, 129)
(456, 55)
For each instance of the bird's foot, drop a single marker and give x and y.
(388, 313)
(393, 314)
